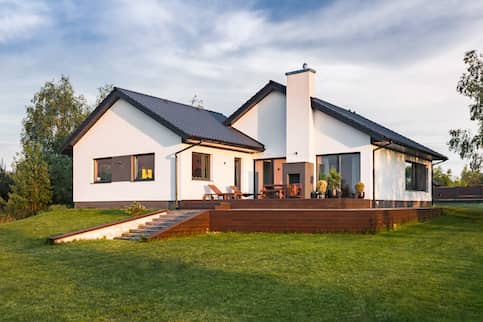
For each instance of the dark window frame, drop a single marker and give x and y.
(134, 170)
(208, 168)
(418, 181)
(339, 164)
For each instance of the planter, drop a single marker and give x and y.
(314, 195)
(361, 195)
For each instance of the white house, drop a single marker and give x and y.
(136, 147)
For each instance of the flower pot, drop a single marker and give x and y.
(361, 195)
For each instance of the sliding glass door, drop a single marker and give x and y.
(268, 172)
(348, 164)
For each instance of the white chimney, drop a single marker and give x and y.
(300, 88)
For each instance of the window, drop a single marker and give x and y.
(349, 166)
(144, 167)
(103, 170)
(416, 176)
(200, 166)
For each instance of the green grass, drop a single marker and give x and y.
(423, 272)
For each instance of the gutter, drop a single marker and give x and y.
(374, 172)
(176, 170)
(432, 192)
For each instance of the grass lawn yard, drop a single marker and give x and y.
(423, 272)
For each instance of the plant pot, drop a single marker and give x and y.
(339, 194)
(313, 195)
(361, 195)
(321, 195)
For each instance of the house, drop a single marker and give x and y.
(136, 147)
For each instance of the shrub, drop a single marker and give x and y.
(334, 179)
(135, 209)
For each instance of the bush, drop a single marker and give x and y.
(359, 187)
(322, 186)
(135, 209)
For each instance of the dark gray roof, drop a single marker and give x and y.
(380, 135)
(188, 122)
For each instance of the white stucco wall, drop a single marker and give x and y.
(222, 172)
(332, 136)
(124, 130)
(266, 123)
(390, 177)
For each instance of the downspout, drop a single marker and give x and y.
(432, 191)
(176, 171)
(374, 172)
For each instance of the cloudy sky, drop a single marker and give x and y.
(394, 62)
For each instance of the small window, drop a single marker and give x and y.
(200, 166)
(416, 176)
(144, 167)
(103, 170)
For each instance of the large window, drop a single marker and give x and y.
(200, 166)
(144, 167)
(416, 176)
(348, 164)
(124, 168)
(103, 170)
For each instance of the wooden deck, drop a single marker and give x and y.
(335, 203)
(367, 220)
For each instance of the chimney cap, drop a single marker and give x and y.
(305, 68)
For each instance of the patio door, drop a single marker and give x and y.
(268, 172)
(237, 178)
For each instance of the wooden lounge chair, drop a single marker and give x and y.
(237, 194)
(219, 194)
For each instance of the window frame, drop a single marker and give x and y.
(339, 165)
(134, 167)
(415, 184)
(96, 169)
(208, 157)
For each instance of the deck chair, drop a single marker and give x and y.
(237, 194)
(219, 194)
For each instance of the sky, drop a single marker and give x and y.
(395, 62)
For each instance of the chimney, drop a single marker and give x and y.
(300, 88)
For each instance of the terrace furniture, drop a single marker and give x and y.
(239, 194)
(273, 191)
(219, 194)
(293, 190)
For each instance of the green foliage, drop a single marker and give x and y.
(135, 209)
(31, 184)
(359, 187)
(462, 141)
(55, 112)
(334, 179)
(441, 177)
(6, 182)
(322, 186)
(470, 177)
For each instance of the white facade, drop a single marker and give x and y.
(266, 123)
(286, 125)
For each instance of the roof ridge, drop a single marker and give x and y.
(168, 100)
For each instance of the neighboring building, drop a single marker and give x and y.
(136, 147)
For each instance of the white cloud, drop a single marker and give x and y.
(20, 20)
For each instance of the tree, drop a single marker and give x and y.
(441, 177)
(54, 113)
(462, 141)
(5, 184)
(31, 184)
(102, 92)
(470, 177)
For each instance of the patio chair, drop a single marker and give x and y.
(219, 194)
(237, 194)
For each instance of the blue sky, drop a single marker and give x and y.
(396, 62)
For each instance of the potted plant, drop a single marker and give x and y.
(333, 182)
(360, 189)
(322, 188)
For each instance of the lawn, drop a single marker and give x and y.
(422, 272)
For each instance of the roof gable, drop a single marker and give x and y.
(188, 122)
(377, 132)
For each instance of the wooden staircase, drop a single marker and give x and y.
(155, 226)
